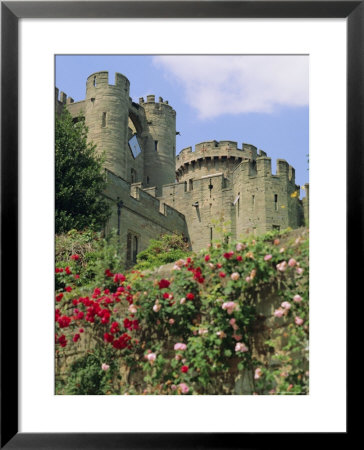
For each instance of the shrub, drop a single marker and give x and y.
(87, 255)
(167, 249)
(197, 332)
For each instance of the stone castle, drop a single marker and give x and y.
(152, 191)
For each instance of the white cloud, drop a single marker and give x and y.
(217, 85)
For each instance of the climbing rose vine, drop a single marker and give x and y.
(195, 331)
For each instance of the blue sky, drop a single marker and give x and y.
(259, 100)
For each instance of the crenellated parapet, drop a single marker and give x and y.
(140, 201)
(61, 100)
(262, 167)
(162, 105)
(222, 156)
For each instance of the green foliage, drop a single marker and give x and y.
(167, 249)
(87, 377)
(95, 254)
(79, 178)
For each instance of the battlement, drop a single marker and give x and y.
(219, 150)
(140, 200)
(262, 167)
(151, 103)
(62, 98)
(101, 80)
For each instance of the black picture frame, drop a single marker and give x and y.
(11, 12)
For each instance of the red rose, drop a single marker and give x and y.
(228, 255)
(68, 289)
(119, 277)
(163, 283)
(64, 321)
(75, 257)
(222, 275)
(207, 258)
(76, 337)
(184, 369)
(59, 297)
(108, 337)
(239, 258)
(190, 296)
(62, 340)
(108, 273)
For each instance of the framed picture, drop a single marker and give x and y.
(18, 213)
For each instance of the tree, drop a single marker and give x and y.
(80, 179)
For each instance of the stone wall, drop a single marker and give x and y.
(206, 205)
(141, 215)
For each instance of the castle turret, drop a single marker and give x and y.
(106, 115)
(160, 148)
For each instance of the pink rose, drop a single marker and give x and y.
(240, 247)
(171, 321)
(183, 300)
(292, 262)
(267, 257)
(258, 373)
(151, 357)
(248, 279)
(105, 366)
(299, 270)
(237, 337)
(235, 276)
(180, 346)
(298, 320)
(132, 309)
(297, 298)
(278, 312)
(282, 266)
(286, 305)
(184, 388)
(232, 321)
(229, 307)
(241, 347)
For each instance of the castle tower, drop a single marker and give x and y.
(106, 116)
(160, 147)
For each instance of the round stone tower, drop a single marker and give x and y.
(160, 148)
(106, 116)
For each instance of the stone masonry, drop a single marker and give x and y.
(198, 193)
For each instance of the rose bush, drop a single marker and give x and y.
(194, 332)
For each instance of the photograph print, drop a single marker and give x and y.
(181, 225)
